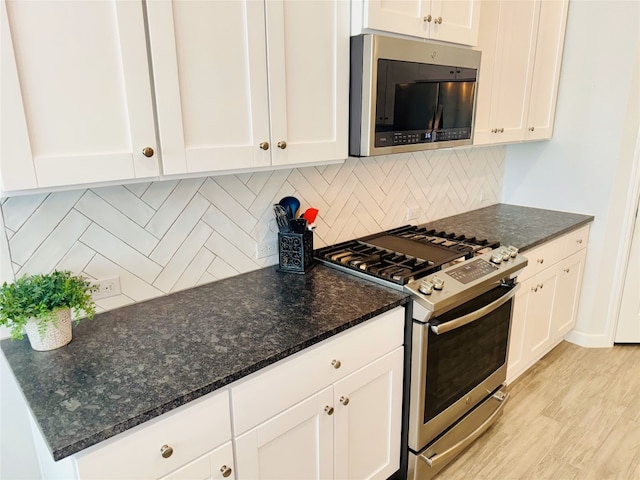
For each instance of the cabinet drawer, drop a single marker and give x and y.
(576, 241)
(190, 431)
(293, 379)
(542, 257)
(213, 466)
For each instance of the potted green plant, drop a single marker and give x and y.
(41, 305)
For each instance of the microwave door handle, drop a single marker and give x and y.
(436, 124)
(473, 316)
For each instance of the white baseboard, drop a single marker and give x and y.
(588, 340)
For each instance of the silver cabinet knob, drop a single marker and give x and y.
(502, 130)
(166, 451)
(567, 270)
(344, 400)
(282, 145)
(437, 20)
(579, 241)
(336, 364)
(531, 129)
(226, 471)
(329, 410)
(264, 145)
(427, 18)
(148, 152)
(540, 261)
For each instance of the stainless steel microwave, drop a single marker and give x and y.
(410, 95)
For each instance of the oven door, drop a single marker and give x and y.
(458, 360)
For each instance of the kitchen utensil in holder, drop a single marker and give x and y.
(295, 251)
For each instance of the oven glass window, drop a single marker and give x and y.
(459, 360)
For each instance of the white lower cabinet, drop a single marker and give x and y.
(350, 430)
(545, 308)
(332, 411)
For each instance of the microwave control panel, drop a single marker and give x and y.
(388, 139)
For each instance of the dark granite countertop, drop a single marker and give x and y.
(137, 362)
(522, 227)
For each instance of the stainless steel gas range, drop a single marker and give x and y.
(462, 290)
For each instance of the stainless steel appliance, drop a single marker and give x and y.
(462, 290)
(409, 95)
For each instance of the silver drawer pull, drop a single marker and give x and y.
(226, 471)
(336, 364)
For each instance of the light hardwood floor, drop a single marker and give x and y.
(573, 415)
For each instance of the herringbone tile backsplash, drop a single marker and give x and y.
(161, 237)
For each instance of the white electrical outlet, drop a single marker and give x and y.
(108, 287)
(413, 213)
(266, 249)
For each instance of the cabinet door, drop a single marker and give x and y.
(406, 17)
(76, 96)
(538, 332)
(567, 294)
(460, 21)
(546, 73)
(368, 419)
(517, 359)
(296, 444)
(308, 60)
(217, 465)
(211, 84)
(507, 101)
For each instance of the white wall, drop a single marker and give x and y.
(587, 166)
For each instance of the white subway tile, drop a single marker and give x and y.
(126, 202)
(179, 231)
(183, 256)
(194, 271)
(41, 223)
(116, 222)
(173, 206)
(120, 253)
(57, 244)
(17, 210)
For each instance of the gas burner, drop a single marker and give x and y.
(403, 254)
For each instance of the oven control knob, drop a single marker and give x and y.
(513, 251)
(505, 254)
(426, 287)
(496, 258)
(438, 283)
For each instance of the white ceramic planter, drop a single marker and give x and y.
(56, 336)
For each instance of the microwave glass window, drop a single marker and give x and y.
(415, 106)
(420, 103)
(457, 104)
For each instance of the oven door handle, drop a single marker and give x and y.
(473, 316)
(440, 459)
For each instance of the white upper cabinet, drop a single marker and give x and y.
(521, 44)
(238, 85)
(247, 84)
(76, 94)
(455, 21)
(546, 74)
